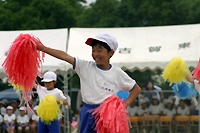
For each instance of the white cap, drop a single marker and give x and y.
(3, 111)
(107, 38)
(143, 101)
(35, 107)
(49, 76)
(9, 107)
(155, 97)
(169, 100)
(5, 101)
(22, 108)
(171, 97)
(146, 99)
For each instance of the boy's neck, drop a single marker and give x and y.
(105, 67)
(50, 88)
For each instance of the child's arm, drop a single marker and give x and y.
(133, 95)
(56, 53)
(65, 102)
(7, 124)
(189, 78)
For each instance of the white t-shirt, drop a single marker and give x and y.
(58, 94)
(35, 117)
(168, 112)
(155, 109)
(69, 102)
(1, 119)
(197, 86)
(23, 119)
(185, 111)
(132, 111)
(141, 111)
(98, 84)
(9, 118)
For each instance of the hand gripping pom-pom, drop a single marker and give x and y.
(48, 109)
(184, 90)
(176, 71)
(196, 73)
(22, 63)
(111, 116)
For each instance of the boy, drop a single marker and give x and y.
(9, 120)
(23, 120)
(99, 79)
(183, 108)
(50, 79)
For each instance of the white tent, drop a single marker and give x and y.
(51, 38)
(143, 48)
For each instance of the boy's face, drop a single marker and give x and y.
(101, 55)
(9, 111)
(149, 86)
(182, 103)
(22, 112)
(49, 85)
(155, 101)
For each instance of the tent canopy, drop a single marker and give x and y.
(139, 48)
(143, 48)
(51, 38)
(9, 94)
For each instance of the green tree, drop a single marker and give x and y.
(36, 14)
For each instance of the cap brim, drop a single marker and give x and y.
(46, 80)
(89, 41)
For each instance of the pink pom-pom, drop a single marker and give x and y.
(22, 63)
(196, 72)
(111, 116)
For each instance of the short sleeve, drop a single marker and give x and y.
(1, 118)
(197, 86)
(18, 119)
(61, 96)
(125, 82)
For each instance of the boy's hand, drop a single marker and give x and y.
(40, 47)
(58, 102)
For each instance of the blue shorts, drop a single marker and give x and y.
(23, 127)
(87, 121)
(54, 127)
(9, 125)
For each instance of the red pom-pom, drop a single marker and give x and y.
(196, 72)
(22, 63)
(111, 116)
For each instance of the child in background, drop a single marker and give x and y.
(169, 110)
(99, 79)
(23, 120)
(133, 109)
(155, 108)
(9, 120)
(50, 79)
(143, 109)
(35, 120)
(183, 109)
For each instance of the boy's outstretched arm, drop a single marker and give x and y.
(56, 53)
(133, 95)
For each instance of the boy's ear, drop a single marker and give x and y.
(111, 53)
(55, 81)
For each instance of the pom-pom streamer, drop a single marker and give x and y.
(22, 63)
(176, 71)
(48, 109)
(196, 72)
(184, 90)
(111, 116)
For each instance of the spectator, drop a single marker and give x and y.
(133, 109)
(147, 101)
(5, 101)
(9, 120)
(169, 110)
(183, 109)
(143, 109)
(15, 107)
(3, 109)
(150, 92)
(23, 120)
(155, 108)
(35, 120)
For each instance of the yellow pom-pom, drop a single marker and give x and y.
(176, 71)
(48, 109)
